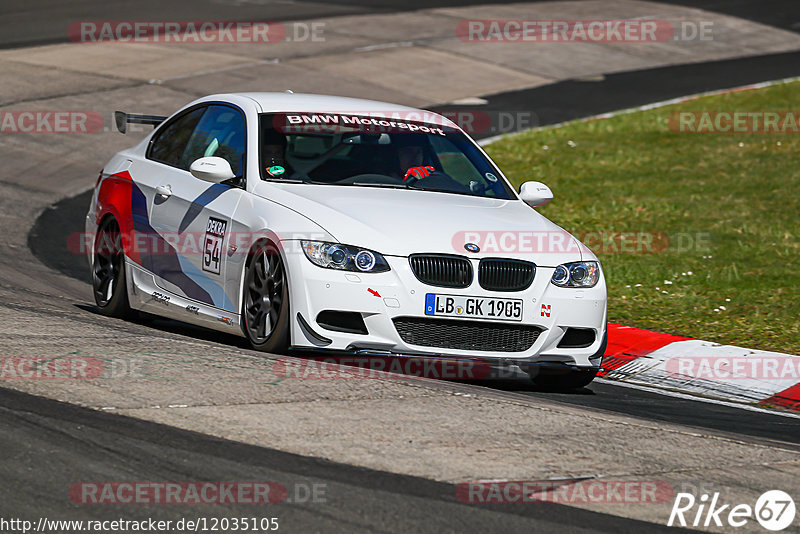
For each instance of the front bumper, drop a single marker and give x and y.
(381, 297)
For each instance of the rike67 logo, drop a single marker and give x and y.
(774, 510)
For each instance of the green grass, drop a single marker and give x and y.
(739, 193)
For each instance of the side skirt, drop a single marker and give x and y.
(146, 296)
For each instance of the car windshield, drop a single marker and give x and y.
(358, 150)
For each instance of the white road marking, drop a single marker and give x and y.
(383, 46)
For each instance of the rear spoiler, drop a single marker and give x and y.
(122, 119)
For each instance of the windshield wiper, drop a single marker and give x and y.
(285, 180)
(391, 186)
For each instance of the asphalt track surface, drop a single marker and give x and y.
(38, 22)
(56, 444)
(45, 21)
(70, 441)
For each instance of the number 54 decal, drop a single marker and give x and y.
(212, 244)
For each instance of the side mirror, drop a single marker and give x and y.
(212, 169)
(535, 194)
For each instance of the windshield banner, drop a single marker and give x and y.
(363, 122)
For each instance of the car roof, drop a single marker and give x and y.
(274, 102)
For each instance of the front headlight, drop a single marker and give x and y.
(578, 274)
(344, 257)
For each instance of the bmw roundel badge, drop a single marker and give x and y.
(472, 247)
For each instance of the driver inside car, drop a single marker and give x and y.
(411, 159)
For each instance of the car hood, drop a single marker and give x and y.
(399, 222)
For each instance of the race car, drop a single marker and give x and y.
(342, 226)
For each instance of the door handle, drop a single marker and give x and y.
(164, 190)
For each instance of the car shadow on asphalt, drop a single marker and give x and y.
(174, 327)
(525, 385)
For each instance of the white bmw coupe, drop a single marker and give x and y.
(342, 226)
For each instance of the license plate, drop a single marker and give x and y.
(473, 307)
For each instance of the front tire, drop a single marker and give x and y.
(565, 380)
(569, 378)
(265, 303)
(109, 283)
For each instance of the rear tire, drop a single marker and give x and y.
(265, 303)
(109, 283)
